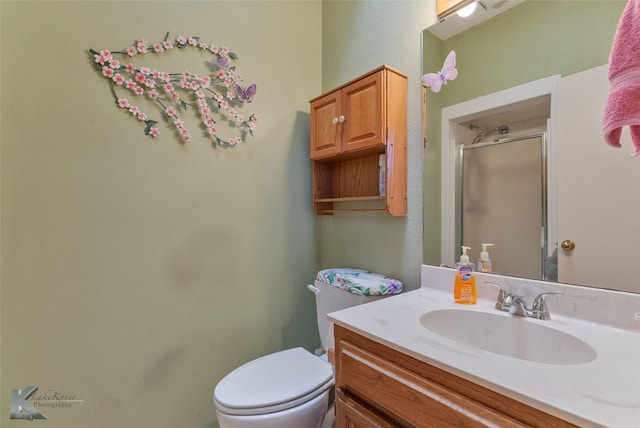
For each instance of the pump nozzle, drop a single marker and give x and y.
(464, 258)
(484, 255)
(484, 262)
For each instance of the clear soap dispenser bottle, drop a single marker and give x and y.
(484, 262)
(464, 288)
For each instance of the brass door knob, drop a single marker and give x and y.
(567, 245)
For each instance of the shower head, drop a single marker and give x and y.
(503, 129)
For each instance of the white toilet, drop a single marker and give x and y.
(292, 388)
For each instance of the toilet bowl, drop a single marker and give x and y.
(289, 388)
(293, 388)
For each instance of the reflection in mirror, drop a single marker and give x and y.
(494, 155)
(502, 198)
(564, 47)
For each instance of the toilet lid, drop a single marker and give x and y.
(274, 382)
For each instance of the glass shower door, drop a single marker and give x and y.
(503, 201)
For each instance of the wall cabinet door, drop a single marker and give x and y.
(326, 130)
(364, 113)
(349, 119)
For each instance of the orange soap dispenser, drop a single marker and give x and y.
(464, 288)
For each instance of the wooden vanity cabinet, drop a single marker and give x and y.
(350, 128)
(377, 386)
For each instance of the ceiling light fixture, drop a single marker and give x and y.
(467, 10)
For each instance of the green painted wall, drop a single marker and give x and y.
(533, 40)
(358, 36)
(136, 273)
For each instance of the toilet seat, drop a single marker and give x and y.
(273, 383)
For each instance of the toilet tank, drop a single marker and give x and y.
(331, 298)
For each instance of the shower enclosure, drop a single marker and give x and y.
(502, 199)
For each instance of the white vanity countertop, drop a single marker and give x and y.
(603, 392)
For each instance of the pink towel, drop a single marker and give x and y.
(623, 103)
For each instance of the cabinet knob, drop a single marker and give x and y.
(335, 120)
(341, 119)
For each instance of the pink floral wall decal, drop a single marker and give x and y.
(216, 97)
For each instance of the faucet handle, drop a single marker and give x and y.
(502, 295)
(540, 306)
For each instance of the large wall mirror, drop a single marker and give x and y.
(527, 105)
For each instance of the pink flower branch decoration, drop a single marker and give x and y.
(215, 96)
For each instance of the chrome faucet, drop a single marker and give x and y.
(504, 300)
(540, 306)
(517, 305)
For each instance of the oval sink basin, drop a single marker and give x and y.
(511, 336)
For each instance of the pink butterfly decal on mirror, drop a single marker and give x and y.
(245, 94)
(448, 72)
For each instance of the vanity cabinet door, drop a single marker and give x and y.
(389, 387)
(352, 414)
(407, 398)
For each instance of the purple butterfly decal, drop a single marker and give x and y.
(448, 72)
(221, 61)
(245, 94)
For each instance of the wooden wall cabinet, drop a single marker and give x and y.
(377, 386)
(351, 127)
